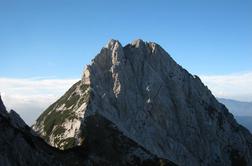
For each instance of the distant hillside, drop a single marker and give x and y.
(241, 110)
(245, 121)
(238, 108)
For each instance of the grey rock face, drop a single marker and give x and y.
(155, 102)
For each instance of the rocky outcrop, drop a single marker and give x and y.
(153, 101)
(18, 145)
(104, 145)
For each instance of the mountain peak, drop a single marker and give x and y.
(153, 101)
(3, 110)
(138, 43)
(112, 43)
(16, 120)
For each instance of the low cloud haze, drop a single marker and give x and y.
(30, 97)
(233, 86)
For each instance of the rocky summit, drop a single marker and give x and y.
(137, 100)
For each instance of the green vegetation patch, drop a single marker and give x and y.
(56, 118)
(63, 99)
(73, 99)
(59, 130)
(68, 143)
(52, 118)
(60, 101)
(84, 87)
(84, 99)
(46, 112)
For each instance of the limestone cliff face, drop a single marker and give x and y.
(153, 101)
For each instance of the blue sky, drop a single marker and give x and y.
(56, 38)
(45, 44)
